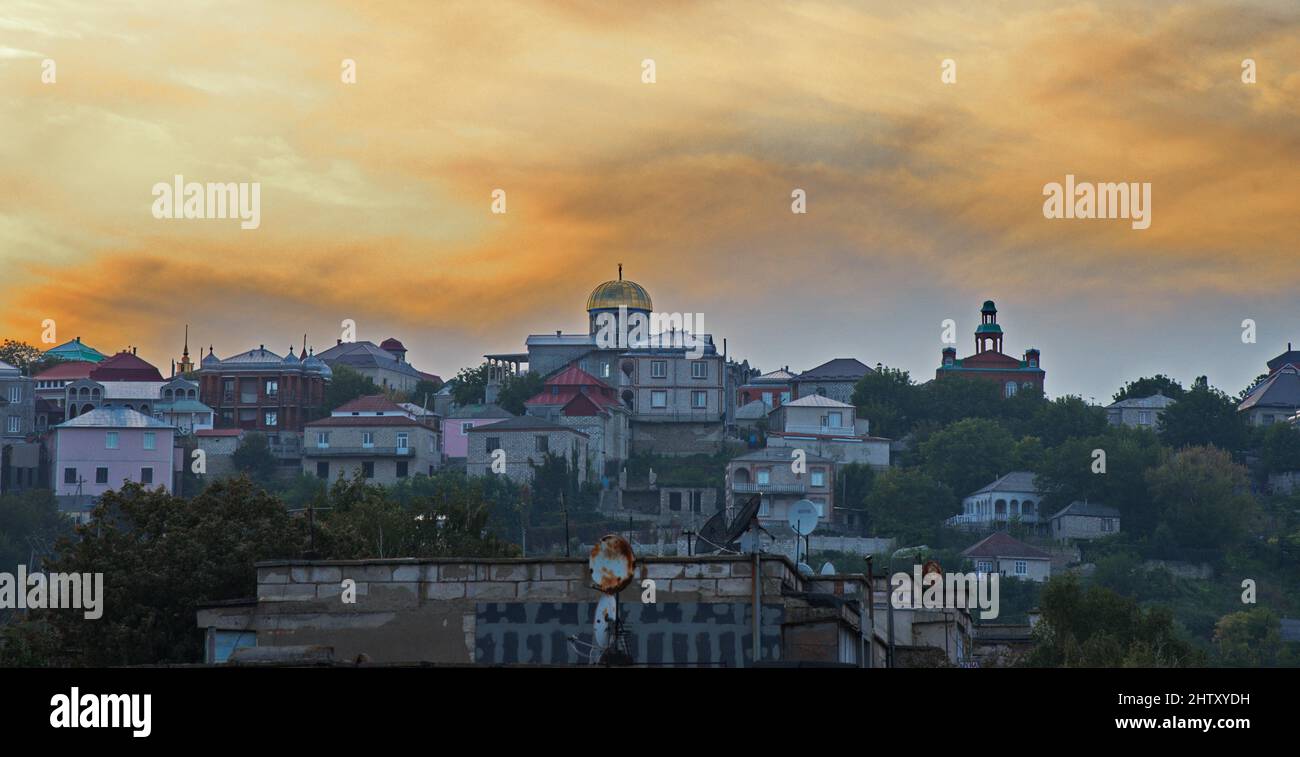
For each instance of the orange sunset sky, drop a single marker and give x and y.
(924, 199)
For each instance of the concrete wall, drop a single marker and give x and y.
(521, 452)
(676, 438)
(523, 610)
(1082, 527)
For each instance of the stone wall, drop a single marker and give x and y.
(408, 610)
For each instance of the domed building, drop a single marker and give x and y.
(989, 364)
(667, 378)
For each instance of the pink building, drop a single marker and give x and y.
(455, 430)
(99, 450)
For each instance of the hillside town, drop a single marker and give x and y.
(470, 504)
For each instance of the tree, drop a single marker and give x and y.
(1071, 471)
(909, 505)
(469, 385)
(518, 388)
(1097, 628)
(253, 458)
(1249, 639)
(954, 398)
(162, 556)
(423, 392)
(968, 454)
(347, 385)
(888, 398)
(30, 522)
(1280, 448)
(1066, 418)
(1203, 498)
(1204, 415)
(20, 355)
(1150, 385)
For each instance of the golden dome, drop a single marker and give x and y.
(619, 292)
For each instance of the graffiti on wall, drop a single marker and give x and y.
(668, 633)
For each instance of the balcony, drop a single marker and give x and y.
(799, 488)
(336, 451)
(795, 428)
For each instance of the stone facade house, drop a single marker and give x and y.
(1138, 412)
(1011, 497)
(769, 472)
(525, 442)
(374, 436)
(101, 449)
(1009, 557)
(1084, 520)
(827, 428)
(835, 379)
(579, 400)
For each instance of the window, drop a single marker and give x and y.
(1010, 390)
(401, 469)
(69, 475)
(659, 398)
(110, 440)
(101, 475)
(150, 440)
(605, 370)
(1107, 524)
(675, 501)
(785, 397)
(322, 470)
(764, 476)
(767, 399)
(271, 418)
(14, 424)
(1022, 567)
(367, 439)
(403, 440)
(699, 369)
(15, 394)
(1144, 417)
(368, 470)
(493, 444)
(835, 419)
(697, 501)
(543, 444)
(658, 369)
(818, 477)
(699, 399)
(323, 439)
(228, 390)
(146, 475)
(272, 387)
(984, 566)
(465, 427)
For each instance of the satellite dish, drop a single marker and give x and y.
(743, 518)
(712, 534)
(611, 563)
(803, 517)
(606, 620)
(828, 569)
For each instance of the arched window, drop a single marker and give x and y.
(1000, 507)
(1011, 389)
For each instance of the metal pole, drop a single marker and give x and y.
(758, 600)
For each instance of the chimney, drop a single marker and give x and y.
(339, 342)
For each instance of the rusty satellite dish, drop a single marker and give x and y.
(612, 564)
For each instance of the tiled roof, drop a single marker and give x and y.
(1003, 544)
(113, 417)
(839, 369)
(1015, 481)
(9, 370)
(367, 355)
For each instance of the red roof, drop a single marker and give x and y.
(69, 371)
(370, 420)
(125, 367)
(392, 345)
(374, 403)
(572, 382)
(1002, 544)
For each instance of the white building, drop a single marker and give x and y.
(1009, 557)
(1011, 497)
(828, 428)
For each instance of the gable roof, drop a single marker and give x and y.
(1002, 544)
(372, 403)
(114, 417)
(751, 411)
(816, 400)
(366, 355)
(839, 369)
(467, 412)
(1157, 401)
(1087, 509)
(523, 423)
(1015, 481)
